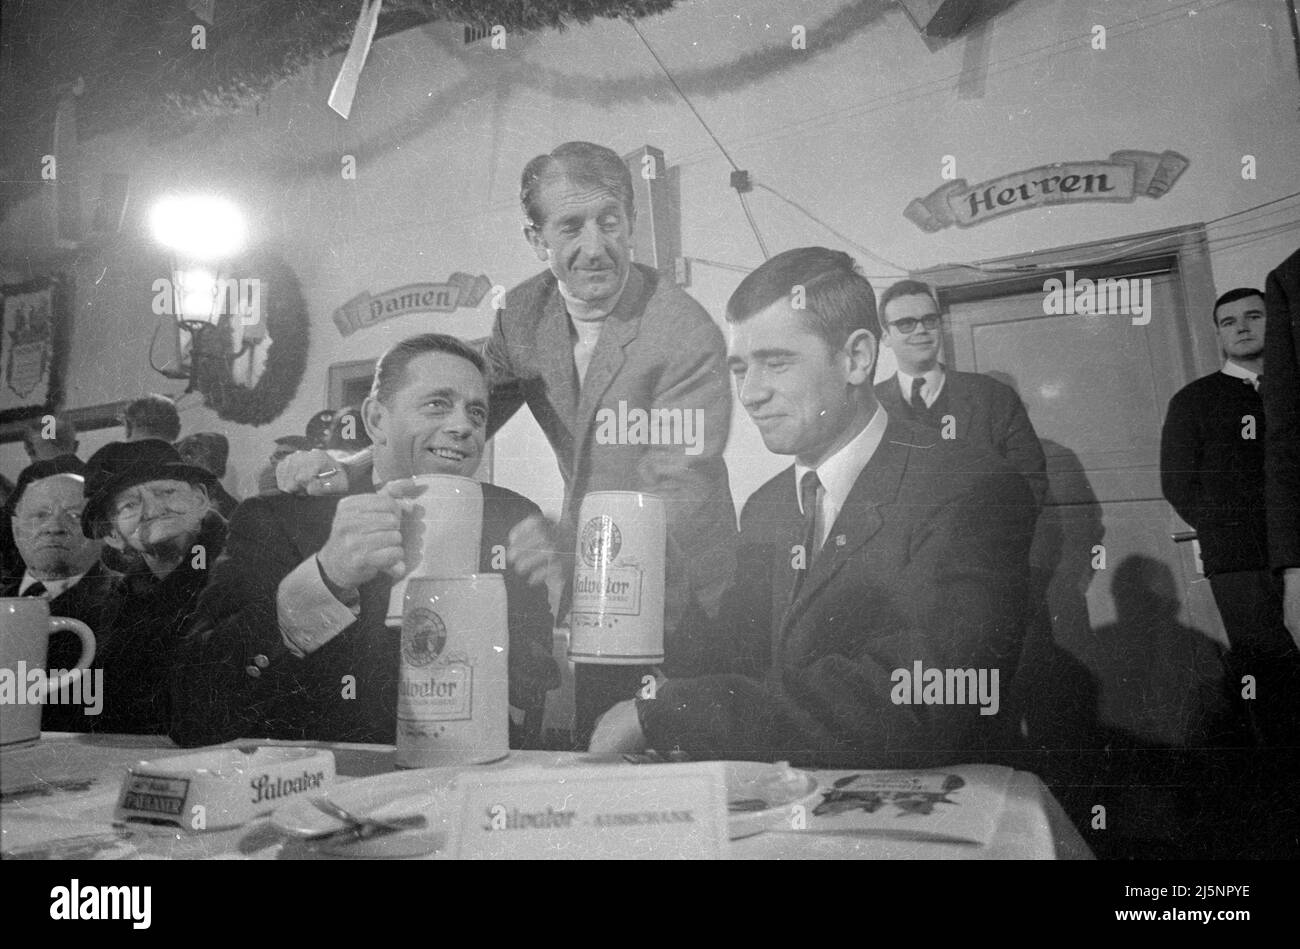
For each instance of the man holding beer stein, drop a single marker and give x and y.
(299, 636)
(625, 374)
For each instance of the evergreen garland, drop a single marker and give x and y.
(287, 323)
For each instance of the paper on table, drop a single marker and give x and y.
(961, 803)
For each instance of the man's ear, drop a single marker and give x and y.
(374, 414)
(114, 540)
(534, 237)
(860, 350)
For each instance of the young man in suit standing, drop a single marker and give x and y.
(1212, 472)
(882, 558)
(981, 411)
(298, 602)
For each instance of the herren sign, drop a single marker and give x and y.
(363, 310)
(1122, 177)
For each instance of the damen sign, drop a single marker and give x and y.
(1122, 177)
(363, 310)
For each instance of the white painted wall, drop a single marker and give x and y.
(852, 128)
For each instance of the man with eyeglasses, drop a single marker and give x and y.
(964, 406)
(58, 563)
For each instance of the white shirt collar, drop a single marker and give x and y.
(929, 390)
(53, 588)
(587, 311)
(1230, 368)
(840, 471)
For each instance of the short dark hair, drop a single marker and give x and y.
(155, 414)
(838, 300)
(65, 434)
(583, 163)
(904, 288)
(1232, 296)
(391, 368)
(210, 450)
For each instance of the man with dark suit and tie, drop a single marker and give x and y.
(879, 604)
(1212, 472)
(296, 606)
(58, 562)
(964, 406)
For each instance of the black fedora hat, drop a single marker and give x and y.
(121, 465)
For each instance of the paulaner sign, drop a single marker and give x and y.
(1122, 177)
(363, 310)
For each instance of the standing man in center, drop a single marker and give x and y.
(599, 335)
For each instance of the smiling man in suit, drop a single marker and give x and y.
(883, 552)
(963, 406)
(295, 611)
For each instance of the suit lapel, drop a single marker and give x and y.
(858, 521)
(555, 354)
(959, 406)
(621, 327)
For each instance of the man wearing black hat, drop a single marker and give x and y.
(59, 563)
(156, 512)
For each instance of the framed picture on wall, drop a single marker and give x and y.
(349, 384)
(35, 326)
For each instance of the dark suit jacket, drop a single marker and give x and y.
(928, 562)
(658, 349)
(987, 414)
(1281, 392)
(89, 600)
(238, 679)
(1212, 476)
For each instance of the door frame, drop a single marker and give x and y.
(1183, 252)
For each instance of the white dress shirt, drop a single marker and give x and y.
(53, 588)
(839, 472)
(930, 389)
(1230, 368)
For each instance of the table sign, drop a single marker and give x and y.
(212, 790)
(676, 812)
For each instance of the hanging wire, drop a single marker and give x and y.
(762, 246)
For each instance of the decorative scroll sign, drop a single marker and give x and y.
(1122, 177)
(363, 310)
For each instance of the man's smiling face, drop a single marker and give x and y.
(436, 423)
(586, 239)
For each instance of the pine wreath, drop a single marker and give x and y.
(285, 311)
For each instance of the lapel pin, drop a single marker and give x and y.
(840, 540)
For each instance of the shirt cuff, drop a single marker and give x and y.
(308, 613)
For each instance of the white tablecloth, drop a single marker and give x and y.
(84, 774)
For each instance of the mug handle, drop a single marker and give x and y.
(87, 647)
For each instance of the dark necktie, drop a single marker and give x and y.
(36, 589)
(808, 496)
(918, 404)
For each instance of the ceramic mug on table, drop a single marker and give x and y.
(453, 685)
(25, 628)
(618, 580)
(442, 528)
